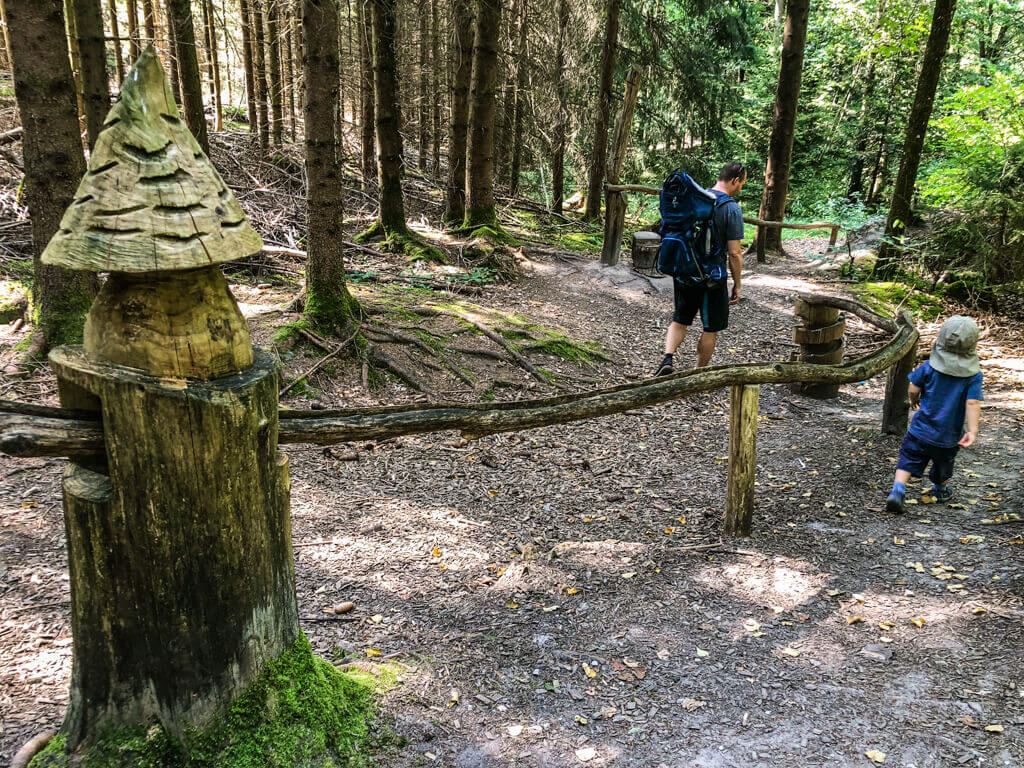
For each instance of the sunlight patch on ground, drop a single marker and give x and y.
(779, 584)
(779, 283)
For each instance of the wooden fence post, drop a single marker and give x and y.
(896, 410)
(739, 501)
(615, 202)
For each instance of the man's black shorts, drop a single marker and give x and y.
(712, 303)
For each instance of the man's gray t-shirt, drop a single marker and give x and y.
(728, 222)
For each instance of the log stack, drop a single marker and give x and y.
(821, 340)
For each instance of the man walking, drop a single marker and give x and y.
(711, 300)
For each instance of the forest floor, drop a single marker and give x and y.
(559, 597)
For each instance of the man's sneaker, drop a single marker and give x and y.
(941, 493)
(895, 504)
(664, 369)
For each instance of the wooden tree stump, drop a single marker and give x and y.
(821, 341)
(739, 500)
(182, 583)
(644, 253)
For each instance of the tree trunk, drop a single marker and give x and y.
(134, 47)
(856, 188)
(462, 54)
(900, 208)
(480, 164)
(54, 163)
(520, 101)
(252, 114)
(179, 15)
(598, 155)
(366, 94)
(424, 134)
(561, 127)
(388, 117)
(435, 87)
(172, 54)
(780, 147)
(328, 304)
(93, 51)
(115, 32)
(274, 78)
(211, 47)
(256, 11)
(289, 58)
(71, 37)
(148, 20)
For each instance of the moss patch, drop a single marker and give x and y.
(413, 247)
(301, 712)
(581, 242)
(885, 297)
(330, 309)
(64, 325)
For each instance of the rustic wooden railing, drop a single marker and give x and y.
(615, 223)
(32, 430)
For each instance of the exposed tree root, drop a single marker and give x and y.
(31, 749)
(383, 360)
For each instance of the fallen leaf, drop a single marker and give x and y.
(588, 671)
(994, 728)
(663, 654)
(374, 652)
(586, 754)
(789, 651)
(898, 540)
(453, 697)
(629, 574)
(435, 552)
(344, 607)
(854, 619)
(977, 609)
(514, 730)
(580, 719)
(875, 756)
(917, 622)
(692, 705)
(972, 539)
(885, 625)
(512, 604)
(702, 653)
(751, 625)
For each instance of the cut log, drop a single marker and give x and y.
(810, 335)
(815, 315)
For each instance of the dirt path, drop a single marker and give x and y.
(539, 589)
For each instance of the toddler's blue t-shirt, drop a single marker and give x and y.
(940, 420)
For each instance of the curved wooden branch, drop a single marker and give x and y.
(37, 431)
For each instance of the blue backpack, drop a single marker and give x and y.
(691, 251)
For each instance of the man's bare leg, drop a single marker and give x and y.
(705, 347)
(675, 336)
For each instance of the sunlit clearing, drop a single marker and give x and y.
(777, 585)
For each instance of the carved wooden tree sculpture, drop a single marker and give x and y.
(179, 543)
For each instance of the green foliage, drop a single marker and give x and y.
(301, 712)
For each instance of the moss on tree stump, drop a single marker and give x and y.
(300, 712)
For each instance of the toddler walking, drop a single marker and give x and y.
(948, 387)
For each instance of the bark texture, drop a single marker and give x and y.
(780, 148)
(134, 46)
(900, 208)
(480, 161)
(462, 64)
(328, 304)
(248, 65)
(53, 158)
(114, 30)
(598, 154)
(388, 118)
(92, 48)
(519, 113)
(368, 158)
(179, 14)
(175, 607)
(561, 126)
(214, 59)
(274, 72)
(260, 61)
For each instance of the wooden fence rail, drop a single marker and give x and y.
(612, 191)
(32, 430)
